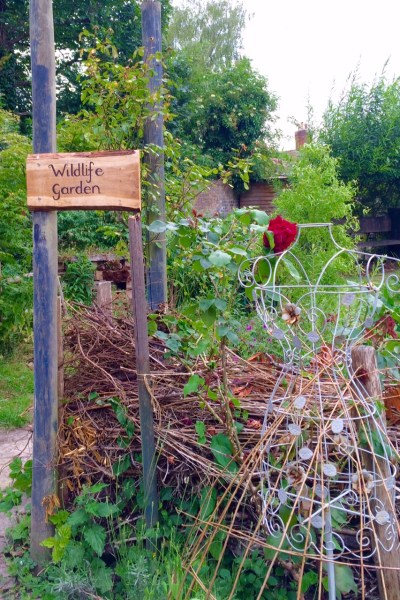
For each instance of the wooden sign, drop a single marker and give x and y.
(84, 180)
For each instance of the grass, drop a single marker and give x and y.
(16, 390)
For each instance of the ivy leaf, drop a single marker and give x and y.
(219, 258)
(95, 536)
(193, 384)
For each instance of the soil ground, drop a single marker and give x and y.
(13, 442)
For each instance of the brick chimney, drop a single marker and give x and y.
(301, 136)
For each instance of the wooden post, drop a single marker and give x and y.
(60, 352)
(364, 363)
(62, 473)
(154, 134)
(143, 369)
(104, 296)
(44, 483)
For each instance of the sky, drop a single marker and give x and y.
(308, 48)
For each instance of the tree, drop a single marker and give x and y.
(316, 195)
(230, 111)
(208, 34)
(363, 132)
(70, 19)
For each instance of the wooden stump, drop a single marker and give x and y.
(366, 378)
(104, 296)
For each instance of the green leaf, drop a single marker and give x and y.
(122, 465)
(77, 518)
(208, 502)
(238, 251)
(101, 509)
(344, 579)
(260, 217)
(209, 316)
(157, 227)
(193, 384)
(102, 575)
(222, 449)
(205, 304)
(309, 579)
(151, 328)
(219, 258)
(292, 269)
(220, 304)
(201, 431)
(277, 545)
(95, 536)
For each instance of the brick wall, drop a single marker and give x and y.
(219, 199)
(260, 195)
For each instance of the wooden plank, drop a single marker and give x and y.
(139, 307)
(364, 362)
(375, 224)
(84, 180)
(45, 419)
(378, 243)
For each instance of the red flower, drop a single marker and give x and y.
(284, 234)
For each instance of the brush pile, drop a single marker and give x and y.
(100, 434)
(101, 409)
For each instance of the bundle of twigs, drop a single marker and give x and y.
(100, 376)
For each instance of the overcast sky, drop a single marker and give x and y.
(307, 48)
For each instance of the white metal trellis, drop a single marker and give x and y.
(325, 454)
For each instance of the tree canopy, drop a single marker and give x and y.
(70, 19)
(209, 34)
(363, 132)
(229, 111)
(222, 105)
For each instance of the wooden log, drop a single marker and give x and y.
(139, 306)
(366, 382)
(45, 419)
(154, 134)
(104, 295)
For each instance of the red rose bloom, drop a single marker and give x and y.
(284, 234)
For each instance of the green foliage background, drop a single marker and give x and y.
(15, 236)
(363, 133)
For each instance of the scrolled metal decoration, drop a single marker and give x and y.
(316, 440)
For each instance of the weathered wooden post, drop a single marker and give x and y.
(364, 363)
(154, 134)
(44, 484)
(143, 370)
(104, 296)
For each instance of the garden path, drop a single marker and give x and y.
(13, 442)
